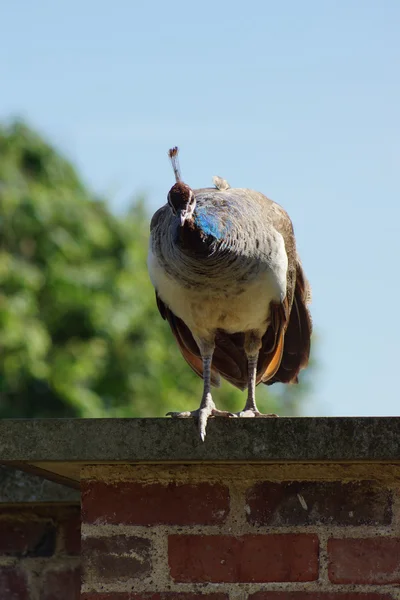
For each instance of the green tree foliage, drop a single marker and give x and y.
(80, 334)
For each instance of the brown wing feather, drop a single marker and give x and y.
(273, 341)
(275, 360)
(230, 359)
(296, 349)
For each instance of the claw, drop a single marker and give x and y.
(202, 415)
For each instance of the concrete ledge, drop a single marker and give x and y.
(338, 439)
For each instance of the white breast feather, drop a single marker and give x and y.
(204, 310)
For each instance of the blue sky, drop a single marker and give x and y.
(299, 100)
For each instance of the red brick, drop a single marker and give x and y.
(13, 584)
(63, 584)
(71, 534)
(369, 561)
(140, 504)
(116, 558)
(322, 502)
(249, 558)
(151, 596)
(27, 538)
(318, 596)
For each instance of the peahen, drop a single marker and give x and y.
(229, 281)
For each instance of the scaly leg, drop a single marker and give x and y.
(252, 348)
(207, 407)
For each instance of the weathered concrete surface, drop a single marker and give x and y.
(18, 487)
(338, 439)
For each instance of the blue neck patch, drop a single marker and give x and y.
(209, 224)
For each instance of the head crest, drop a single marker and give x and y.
(173, 155)
(180, 198)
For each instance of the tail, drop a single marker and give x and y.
(296, 351)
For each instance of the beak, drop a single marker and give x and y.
(183, 216)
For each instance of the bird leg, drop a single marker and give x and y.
(207, 407)
(251, 384)
(252, 348)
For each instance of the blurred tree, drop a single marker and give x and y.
(80, 334)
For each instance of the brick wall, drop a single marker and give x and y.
(241, 532)
(39, 552)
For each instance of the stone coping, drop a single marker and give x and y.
(285, 439)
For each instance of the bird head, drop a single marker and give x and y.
(182, 201)
(181, 198)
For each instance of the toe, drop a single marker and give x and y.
(220, 413)
(248, 414)
(255, 414)
(268, 416)
(180, 415)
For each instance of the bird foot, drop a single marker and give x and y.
(195, 414)
(202, 414)
(251, 413)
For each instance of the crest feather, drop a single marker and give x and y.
(220, 184)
